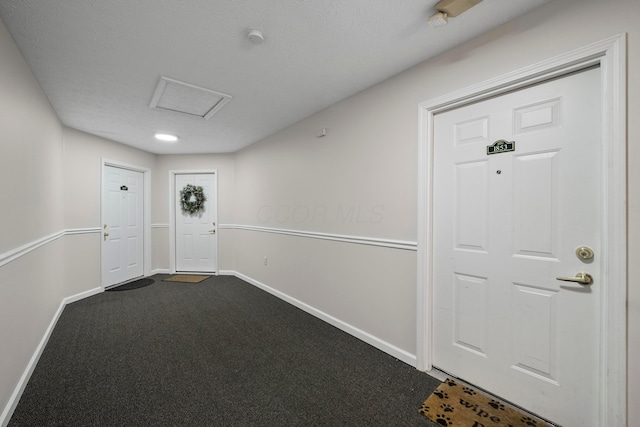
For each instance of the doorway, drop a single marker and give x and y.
(462, 330)
(195, 234)
(517, 189)
(123, 229)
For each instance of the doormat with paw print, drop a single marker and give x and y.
(453, 404)
(185, 278)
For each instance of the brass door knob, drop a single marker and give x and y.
(582, 278)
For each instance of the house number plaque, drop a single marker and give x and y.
(501, 146)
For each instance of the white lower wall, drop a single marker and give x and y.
(160, 249)
(367, 287)
(373, 340)
(31, 297)
(82, 263)
(36, 286)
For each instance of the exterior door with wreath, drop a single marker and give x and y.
(196, 242)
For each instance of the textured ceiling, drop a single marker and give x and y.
(99, 62)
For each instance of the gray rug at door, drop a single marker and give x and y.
(136, 284)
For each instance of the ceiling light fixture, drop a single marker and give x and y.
(166, 137)
(448, 9)
(438, 19)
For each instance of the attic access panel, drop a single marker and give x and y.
(181, 97)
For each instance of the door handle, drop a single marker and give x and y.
(106, 235)
(213, 230)
(582, 278)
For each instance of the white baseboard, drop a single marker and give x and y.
(160, 271)
(81, 295)
(376, 342)
(24, 379)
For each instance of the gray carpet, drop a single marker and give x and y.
(216, 353)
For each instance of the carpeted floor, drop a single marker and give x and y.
(216, 353)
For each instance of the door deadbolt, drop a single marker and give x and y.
(585, 253)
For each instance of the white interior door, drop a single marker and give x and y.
(196, 235)
(506, 225)
(123, 230)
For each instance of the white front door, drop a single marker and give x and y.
(506, 226)
(196, 234)
(123, 232)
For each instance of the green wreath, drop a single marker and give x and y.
(192, 199)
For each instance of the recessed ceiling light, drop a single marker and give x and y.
(166, 137)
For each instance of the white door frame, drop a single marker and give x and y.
(172, 214)
(610, 55)
(146, 197)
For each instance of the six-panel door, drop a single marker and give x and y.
(506, 225)
(196, 234)
(123, 232)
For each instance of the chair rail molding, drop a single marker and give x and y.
(23, 250)
(360, 240)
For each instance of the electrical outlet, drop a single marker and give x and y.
(265, 260)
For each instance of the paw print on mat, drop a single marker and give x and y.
(496, 405)
(441, 394)
(469, 391)
(443, 420)
(424, 409)
(451, 383)
(446, 407)
(529, 421)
